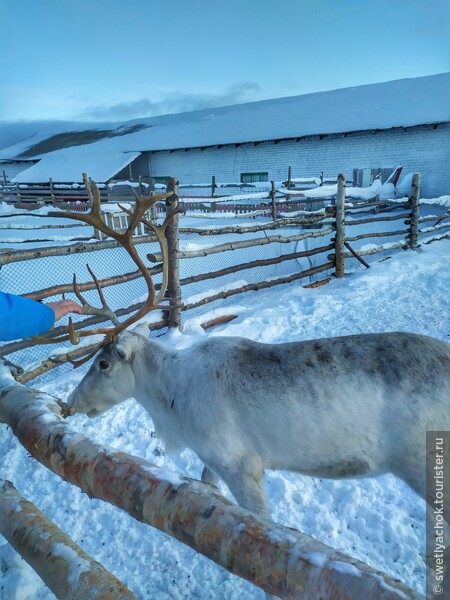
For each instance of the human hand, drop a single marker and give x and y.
(63, 307)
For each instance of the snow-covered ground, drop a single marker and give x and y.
(379, 521)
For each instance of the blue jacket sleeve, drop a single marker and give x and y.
(21, 317)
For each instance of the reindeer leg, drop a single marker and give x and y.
(209, 477)
(245, 481)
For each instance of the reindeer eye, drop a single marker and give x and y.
(103, 364)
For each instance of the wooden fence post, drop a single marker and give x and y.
(414, 202)
(340, 226)
(173, 286)
(52, 192)
(19, 198)
(213, 185)
(153, 212)
(289, 183)
(274, 206)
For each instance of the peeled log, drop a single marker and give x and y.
(67, 570)
(282, 561)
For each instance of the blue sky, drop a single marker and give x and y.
(108, 60)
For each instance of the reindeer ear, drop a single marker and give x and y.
(141, 329)
(124, 349)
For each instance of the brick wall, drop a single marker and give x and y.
(420, 149)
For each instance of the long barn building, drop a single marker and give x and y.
(379, 126)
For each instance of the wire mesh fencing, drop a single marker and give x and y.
(36, 272)
(226, 259)
(45, 278)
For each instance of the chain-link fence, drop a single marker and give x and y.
(32, 270)
(238, 265)
(43, 274)
(227, 259)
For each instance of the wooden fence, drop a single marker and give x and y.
(279, 560)
(74, 197)
(334, 225)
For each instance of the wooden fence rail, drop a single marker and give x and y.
(279, 223)
(273, 557)
(378, 249)
(280, 239)
(12, 256)
(66, 288)
(65, 568)
(260, 286)
(331, 223)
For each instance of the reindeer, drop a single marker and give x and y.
(345, 407)
(353, 406)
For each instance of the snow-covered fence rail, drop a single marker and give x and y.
(66, 569)
(278, 559)
(43, 252)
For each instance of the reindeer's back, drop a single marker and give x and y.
(330, 395)
(396, 358)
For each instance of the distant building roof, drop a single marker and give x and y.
(68, 165)
(401, 103)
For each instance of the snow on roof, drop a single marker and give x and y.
(69, 164)
(400, 103)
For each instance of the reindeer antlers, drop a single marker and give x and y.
(92, 310)
(125, 239)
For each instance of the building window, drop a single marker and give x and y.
(161, 179)
(252, 177)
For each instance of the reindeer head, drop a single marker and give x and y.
(110, 379)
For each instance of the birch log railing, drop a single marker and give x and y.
(278, 559)
(63, 566)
